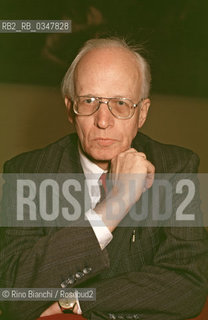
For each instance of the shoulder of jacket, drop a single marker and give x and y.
(170, 158)
(17, 163)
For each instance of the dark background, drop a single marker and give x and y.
(174, 34)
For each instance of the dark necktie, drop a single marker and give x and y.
(103, 187)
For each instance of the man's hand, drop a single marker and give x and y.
(54, 309)
(129, 168)
(130, 163)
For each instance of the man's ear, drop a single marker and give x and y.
(145, 104)
(68, 104)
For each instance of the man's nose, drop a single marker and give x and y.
(103, 117)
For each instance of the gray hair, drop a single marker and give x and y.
(68, 85)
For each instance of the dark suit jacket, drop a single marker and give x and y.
(162, 275)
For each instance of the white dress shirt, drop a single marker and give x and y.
(92, 174)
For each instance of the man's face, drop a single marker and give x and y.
(107, 72)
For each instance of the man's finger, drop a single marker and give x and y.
(150, 175)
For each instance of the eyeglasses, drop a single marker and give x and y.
(121, 108)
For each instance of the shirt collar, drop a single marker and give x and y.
(90, 167)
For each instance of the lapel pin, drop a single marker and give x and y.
(134, 236)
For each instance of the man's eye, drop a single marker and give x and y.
(120, 103)
(89, 100)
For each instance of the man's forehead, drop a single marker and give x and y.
(108, 72)
(107, 56)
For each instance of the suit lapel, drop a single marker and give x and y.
(142, 143)
(70, 162)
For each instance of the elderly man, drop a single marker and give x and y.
(138, 272)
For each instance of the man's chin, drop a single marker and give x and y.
(101, 160)
(98, 159)
(101, 156)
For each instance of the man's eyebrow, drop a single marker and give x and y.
(119, 96)
(98, 96)
(88, 95)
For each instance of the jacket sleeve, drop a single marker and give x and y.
(173, 286)
(35, 257)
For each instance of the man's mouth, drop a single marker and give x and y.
(105, 141)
